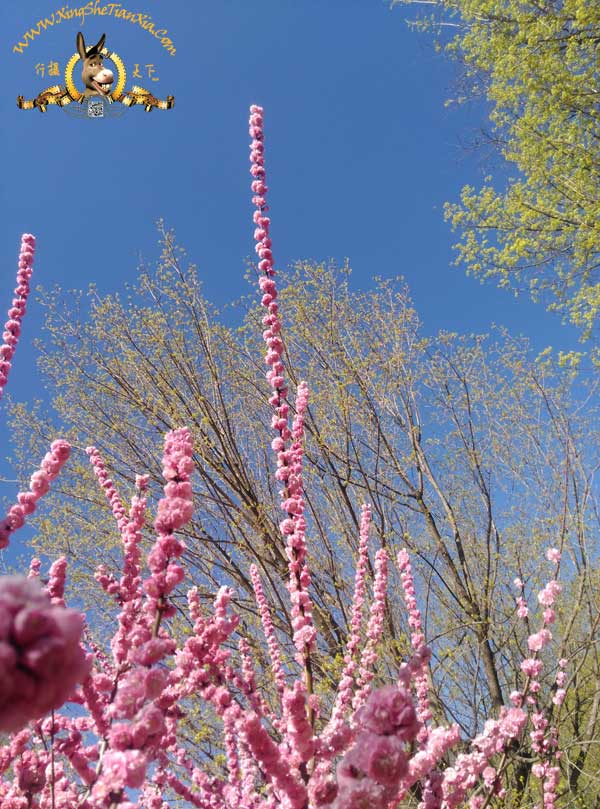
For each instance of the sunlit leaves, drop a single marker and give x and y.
(538, 230)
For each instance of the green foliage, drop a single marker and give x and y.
(537, 65)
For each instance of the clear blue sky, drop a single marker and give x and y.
(361, 155)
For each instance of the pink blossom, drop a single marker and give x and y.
(322, 790)
(269, 756)
(30, 772)
(121, 768)
(269, 630)
(153, 650)
(531, 667)
(41, 660)
(120, 736)
(383, 757)
(468, 767)
(539, 639)
(289, 461)
(56, 581)
(547, 596)
(390, 711)
(362, 794)
(299, 730)
(173, 513)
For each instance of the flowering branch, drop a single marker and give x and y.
(289, 460)
(39, 485)
(12, 327)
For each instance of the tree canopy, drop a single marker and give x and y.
(472, 454)
(537, 227)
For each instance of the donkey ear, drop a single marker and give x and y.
(81, 45)
(100, 44)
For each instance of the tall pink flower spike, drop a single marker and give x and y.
(346, 686)
(59, 450)
(41, 660)
(12, 327)
(289, 456)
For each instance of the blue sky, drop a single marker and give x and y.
(361, 155)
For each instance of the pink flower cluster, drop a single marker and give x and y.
(417, 639)
(370, 652)
(127, 698)
(41, 659)
(469, 767)
(106, 483)
(371, 771)
(12, 327)
(174, 511)
(346, 684)
(544, 733)
(38, 486)
(417, 672)
(268, 630)
(127, 590)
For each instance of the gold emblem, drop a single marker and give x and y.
(61, 96)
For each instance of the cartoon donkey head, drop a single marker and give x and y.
(97, 78)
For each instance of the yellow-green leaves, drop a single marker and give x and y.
(538, 64)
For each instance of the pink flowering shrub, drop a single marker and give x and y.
(122, 741)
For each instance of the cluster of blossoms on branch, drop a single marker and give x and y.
(40, 656)
(12, 327)
(118, 740)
